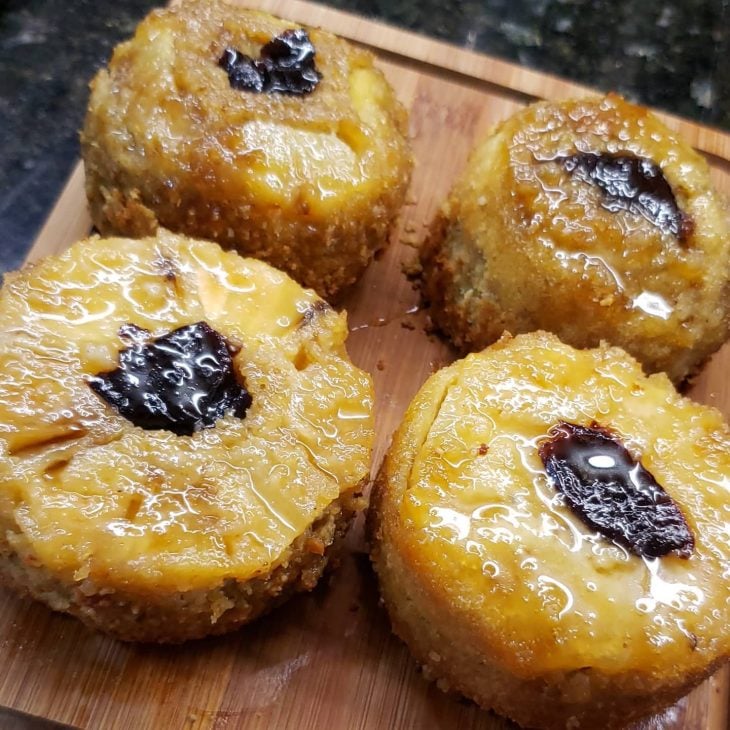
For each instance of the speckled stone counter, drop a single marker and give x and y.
(668, 53)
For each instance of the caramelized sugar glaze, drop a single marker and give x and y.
(231, 424)
(506, 593)
(588, 218)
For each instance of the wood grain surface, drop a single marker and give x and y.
(325, 660)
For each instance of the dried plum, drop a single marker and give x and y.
(286, 65)
(180, 382)
(634, 184)
(612, 492)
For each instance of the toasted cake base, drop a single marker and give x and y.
(447, 654)
(499, 590)
(181, 616)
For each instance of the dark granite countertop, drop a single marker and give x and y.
(668, 53)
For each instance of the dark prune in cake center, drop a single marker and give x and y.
(286, 65)
(181, 382)
(631, 183)
(612, 492)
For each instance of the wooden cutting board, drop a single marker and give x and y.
(325, 660)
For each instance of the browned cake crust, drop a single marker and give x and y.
(173, 618)
(312, 183)
(523, 243)
(448, 655)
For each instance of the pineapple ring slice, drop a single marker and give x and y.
(145, 533)
(310, 183)
(501, 590)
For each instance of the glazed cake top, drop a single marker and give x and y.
(165, 96)
(87, 492)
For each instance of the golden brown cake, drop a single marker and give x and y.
(282, 142)
(550, 534)
(590, 219)
(182, 436)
